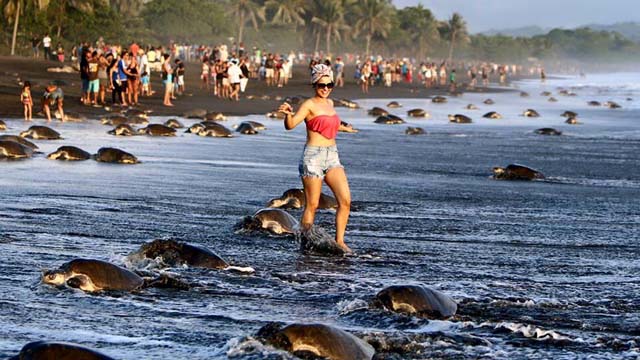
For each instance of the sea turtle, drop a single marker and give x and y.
(173, 123)
(14, 150)
(157, 130)
(69, 153)
(113, 155)
(37, 132)
(492, 115)
(414, 131)
(123, 130)
(460, 119)
(516, 172)
(416, 300)
(548, 131)
(93, 275)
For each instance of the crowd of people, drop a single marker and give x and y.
(126, 71)
(385, 72)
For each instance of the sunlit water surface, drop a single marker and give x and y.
(545, 269)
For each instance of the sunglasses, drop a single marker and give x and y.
(324, 85)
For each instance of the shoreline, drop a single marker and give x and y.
(21, 69)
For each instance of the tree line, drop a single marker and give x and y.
(364, 27)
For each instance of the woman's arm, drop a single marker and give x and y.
(292, 120)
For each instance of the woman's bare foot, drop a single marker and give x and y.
(344, 247)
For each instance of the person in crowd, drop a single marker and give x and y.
(133, 79)
(93, 86)
(53, 96)
(46, 45)
(365, 74)
(84, 76)
(145, 74)
(35, 44)
(235, 73)
(119, 79)
(27, 100)
(452, 81)
(269, 66)
(60, 52)
(226, 85)
(338, 69)
(167, 79)
(244, 79)
(103, 75)
(204, 74)
(220, 73)
(179, 72)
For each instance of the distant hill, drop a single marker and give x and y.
(525, 31)
(630, 30)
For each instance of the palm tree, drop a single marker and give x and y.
(421, 26)
(244, 10)
(287, 11)
(373, 18)
(330, 18)
(14, 7)
(457, 29)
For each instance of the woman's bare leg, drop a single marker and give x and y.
(337, 181)
(312, 190)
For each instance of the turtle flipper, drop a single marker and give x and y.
(81, 282)
(165, 281)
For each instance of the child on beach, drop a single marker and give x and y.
(27, 101)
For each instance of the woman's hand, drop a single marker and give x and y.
(286, 109)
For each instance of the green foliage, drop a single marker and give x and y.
(421, 27)
(345, 25)
(185, 20)
(108, 24)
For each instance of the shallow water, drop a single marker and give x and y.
(545, 269)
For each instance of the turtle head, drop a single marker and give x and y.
(196, 128)
(53, 155)
(24, 133)
(275, 203)
(451, 117)
(272, 334)
(128, 159)
(53, 277)
(497, 171)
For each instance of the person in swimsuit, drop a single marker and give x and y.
(320, 158)
(27, 100)
(167, 79)
(133, 80)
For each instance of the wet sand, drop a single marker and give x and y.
(17, 69)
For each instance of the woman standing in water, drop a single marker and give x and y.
(320, 158)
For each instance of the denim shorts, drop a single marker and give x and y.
(316, 161)
(94, 86)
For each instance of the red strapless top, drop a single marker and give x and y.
(326, 125)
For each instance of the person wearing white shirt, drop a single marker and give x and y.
(46, 43)
(234, 73)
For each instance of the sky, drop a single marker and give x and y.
(483, 15)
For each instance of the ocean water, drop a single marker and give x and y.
(544, 269)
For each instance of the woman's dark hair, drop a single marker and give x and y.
(26, 84)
